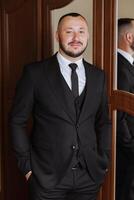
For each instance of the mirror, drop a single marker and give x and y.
(86, 10)
(125, 45)
(125, 121)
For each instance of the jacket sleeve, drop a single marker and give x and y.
(18, 118)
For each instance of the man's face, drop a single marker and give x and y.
(72, 36)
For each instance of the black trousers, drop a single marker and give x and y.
(76, 185)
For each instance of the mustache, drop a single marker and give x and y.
(75, 42)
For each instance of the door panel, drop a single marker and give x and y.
(19, 46)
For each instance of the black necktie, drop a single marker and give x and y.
(74, 79)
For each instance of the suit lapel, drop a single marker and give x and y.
(126, 63)
(88, 102)
(60, 88)
(68, 99)
(63, 94)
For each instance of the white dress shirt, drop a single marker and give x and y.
(127, 56)
(66, 71)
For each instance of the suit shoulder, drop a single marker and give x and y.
(94, 68)
(38, 65)
(37, 68)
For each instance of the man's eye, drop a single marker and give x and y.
(68, 31)
(82, 32)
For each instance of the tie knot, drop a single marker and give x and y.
(73, 66)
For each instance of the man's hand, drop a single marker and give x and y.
(28, 175)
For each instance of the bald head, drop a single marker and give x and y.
(71, 15)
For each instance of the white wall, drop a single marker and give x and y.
(84, 7)
(126, 8)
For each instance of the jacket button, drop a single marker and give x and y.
(73, 147)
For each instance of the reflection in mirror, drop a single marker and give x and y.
(125, 56)
(86, 10)
(125, 122)
(125, 157)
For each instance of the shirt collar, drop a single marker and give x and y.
(126, 55)
(65, 62)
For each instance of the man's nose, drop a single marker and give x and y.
(76, 35)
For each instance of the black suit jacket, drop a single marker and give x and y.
(125, 123)
(49, 150)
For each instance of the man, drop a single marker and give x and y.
(125, 122)
(67, 154)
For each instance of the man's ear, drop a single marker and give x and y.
(57, 36)
(129, 36)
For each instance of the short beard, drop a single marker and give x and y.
(70, 53)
